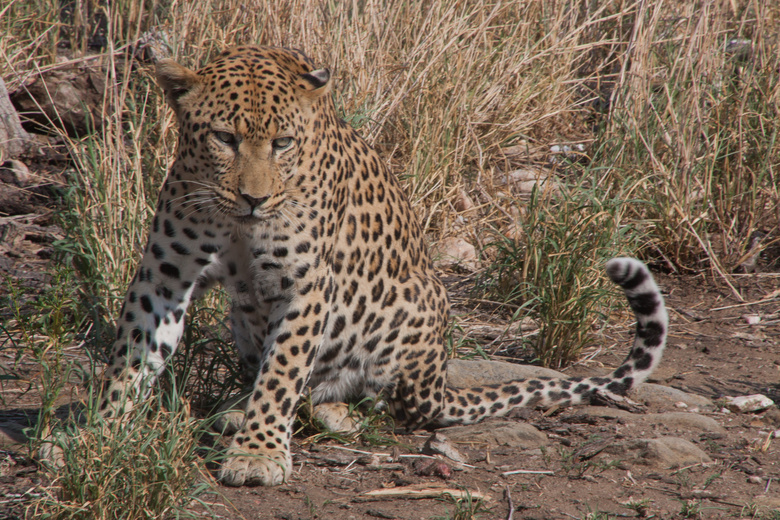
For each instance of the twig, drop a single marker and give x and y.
(511, 505)
(702, 464)
(748, 304)
(527, 472)
(411, 456)
(422, 490)
(360, 451)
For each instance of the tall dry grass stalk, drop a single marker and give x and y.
(695, 112)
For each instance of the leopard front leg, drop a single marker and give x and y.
(260, 452)
(175, 270)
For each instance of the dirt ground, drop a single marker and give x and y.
(713, 352)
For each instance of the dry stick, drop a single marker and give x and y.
(748, 304)
(511, 505)
(360, 451)
(409, 456)
(527, 472)
(628, 55)
(702, 464)
(423, 490)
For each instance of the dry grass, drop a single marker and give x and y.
(443, 88)
(695, 112)
(151, 465)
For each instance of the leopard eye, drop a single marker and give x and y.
(282, 143)
(227, 138)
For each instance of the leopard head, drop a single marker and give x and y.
(245, 120)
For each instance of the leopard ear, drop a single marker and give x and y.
(176, 80)
(315, 84)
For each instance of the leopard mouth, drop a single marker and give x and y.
(253, 216)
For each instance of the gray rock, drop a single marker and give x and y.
(663, 452)
(671, 420)
(463, 373)
(453, 251)
(497, 433)
(683, 421)
(12, 434)
(605, 413)
(438, 443)
(665, 396)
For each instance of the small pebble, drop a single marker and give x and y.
(752, 319)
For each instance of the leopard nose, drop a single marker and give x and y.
(255, 202)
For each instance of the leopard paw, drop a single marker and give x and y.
(337, 417)
(244, 468)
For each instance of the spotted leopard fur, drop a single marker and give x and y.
(277, 199)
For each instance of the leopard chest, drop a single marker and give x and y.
(281, 265)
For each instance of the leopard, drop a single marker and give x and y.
(275, 198)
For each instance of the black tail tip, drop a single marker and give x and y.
(627, 272)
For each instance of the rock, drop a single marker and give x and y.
(468, 373)
(14, 172)
(497, 433)
(463, 202)
(454, 252)
(432, 468)
(12, 434)
(665, 396)
(68, 98)
(665, 452)
(685, 421)
(603, 412)
(748, 403)
(524, 180)
(440, 445)
(563, 153)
